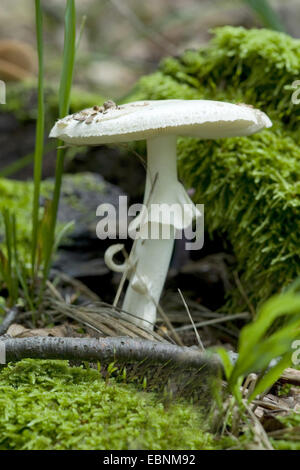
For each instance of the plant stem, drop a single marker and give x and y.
(39, 140)
(64, 102)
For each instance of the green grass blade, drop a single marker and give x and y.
(82, 26)
(68, 59)
(64, 102)
(271, 376)
(227, 364)
(22, 162)
(260, 356)
(8, 243)
(9, 170)
(21, 273)
(267, 14)
(62, 233)
(10, 278)
(262, 341)
(40, 130)
(279, 306)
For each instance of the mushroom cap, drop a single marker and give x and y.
(141, 120)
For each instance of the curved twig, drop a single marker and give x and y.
(8, 320)
(121, 349)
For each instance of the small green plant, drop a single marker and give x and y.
(266, 344)
(111, 369)
(265, 349)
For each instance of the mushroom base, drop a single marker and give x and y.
(147, 280)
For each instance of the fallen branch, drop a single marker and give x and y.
(120, 349)
(9, 319)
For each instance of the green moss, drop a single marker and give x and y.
(17, 196)
(250, 186)
(49, 405)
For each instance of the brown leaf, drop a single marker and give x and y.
(19, 331)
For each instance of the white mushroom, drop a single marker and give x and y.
(160, 123)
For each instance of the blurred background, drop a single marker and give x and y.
(119, 41)
(125, 39)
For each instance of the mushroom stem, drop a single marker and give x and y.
(161, 161)
(147, 281)
(152, 254)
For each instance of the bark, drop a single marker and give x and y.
(8, 320)
(120, 349)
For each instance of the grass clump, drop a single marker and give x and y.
(49, 405)
(250, 186)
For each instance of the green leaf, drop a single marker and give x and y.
(64, 102)
(40, 131)
(263, 352)
(227, 364)
(271, 376)
(286, 304)
(268, 337)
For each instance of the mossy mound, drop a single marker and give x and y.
(250, 186)
(49, 405)
(17, 196)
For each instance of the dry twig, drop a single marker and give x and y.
(121, 349)
(9, 319)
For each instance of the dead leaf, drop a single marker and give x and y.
(19, 331)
